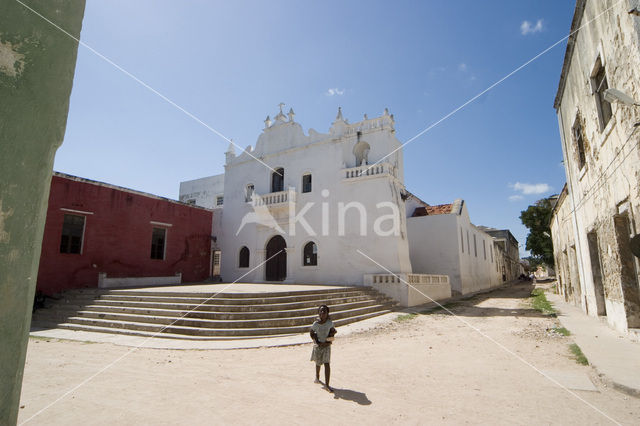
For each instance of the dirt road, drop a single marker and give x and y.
(428, 368)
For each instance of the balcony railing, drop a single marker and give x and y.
(274, 198)
(381, 169)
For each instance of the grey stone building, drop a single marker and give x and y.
(596, 214)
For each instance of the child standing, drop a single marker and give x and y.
(322, 332)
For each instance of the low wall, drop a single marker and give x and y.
(410, 289)
(104, 282)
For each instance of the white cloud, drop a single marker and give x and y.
(516, 197)
(529, 188)
(528, 28)
(462, 67)
(335, 91)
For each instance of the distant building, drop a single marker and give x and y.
(511, 268)
(101, 235)
(597, 213)
(207, 192)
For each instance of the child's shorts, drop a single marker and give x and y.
(321, 355)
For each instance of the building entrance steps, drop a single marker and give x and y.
(200, 312)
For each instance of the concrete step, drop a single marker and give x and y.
(60, 314)
(185, 314)
(94, 292)
(289, 321)
(172, 335)
(200, 297)
(217, 308)
(123, 320)
(228, 295)
(220, 300)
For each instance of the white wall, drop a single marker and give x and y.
(436, 247)
(326, 157)
(204, 190)
(433, 247)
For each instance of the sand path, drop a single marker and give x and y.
(431, 368)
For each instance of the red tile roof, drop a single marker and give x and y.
(431, 210)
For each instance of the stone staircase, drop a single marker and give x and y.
(198, 316)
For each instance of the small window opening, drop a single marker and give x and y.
(600, 84)
(277, 180)
(158, 239)
(579, 141)
(243, 258)
(306, 183)
(248, 195)
(475, 247)
(72, 233)
(310, 254)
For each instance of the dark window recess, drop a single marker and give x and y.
(248, 196)
(601, 84)
(579, 141)
(310, 254)
(158, 239)
(72, 230)
(243, 260)
(277, 180)
(219, 201)
(306, 183)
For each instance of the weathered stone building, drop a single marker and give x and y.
(595, 216)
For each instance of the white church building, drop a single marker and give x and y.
(332, 208)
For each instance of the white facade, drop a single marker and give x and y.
(445, 242)
(331, 208)
(205, 192)
(353, 210)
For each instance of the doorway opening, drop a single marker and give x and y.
(628, 273)
(596, 272)
(276, 268)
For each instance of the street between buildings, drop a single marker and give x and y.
(424, 368)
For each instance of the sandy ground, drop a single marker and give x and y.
(431, 368)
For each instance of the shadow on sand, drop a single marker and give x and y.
(351, 395)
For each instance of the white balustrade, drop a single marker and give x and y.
(274, 198)
(369, 170)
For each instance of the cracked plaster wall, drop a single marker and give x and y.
(608, 184)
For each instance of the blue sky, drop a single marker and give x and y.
(231, 63)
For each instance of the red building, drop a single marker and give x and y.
(95, 228)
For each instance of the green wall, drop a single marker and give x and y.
(37, 63)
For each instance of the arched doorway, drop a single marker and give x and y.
(277, 259)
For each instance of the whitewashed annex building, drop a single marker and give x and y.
(332, 208)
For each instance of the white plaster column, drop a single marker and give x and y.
(291, 256)
(259, 273)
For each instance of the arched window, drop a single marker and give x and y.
(277, 180)
(243, 258)
(248, 193)
(310, 254)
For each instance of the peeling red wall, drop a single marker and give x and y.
(117, 236)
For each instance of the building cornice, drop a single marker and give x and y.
(573, 35)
